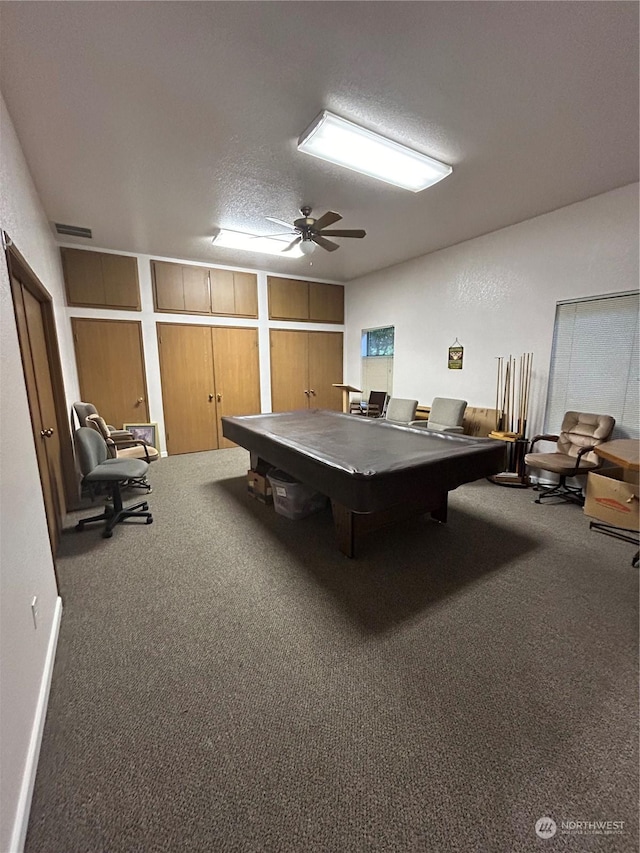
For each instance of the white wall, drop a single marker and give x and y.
(26, 564)
(497, 294)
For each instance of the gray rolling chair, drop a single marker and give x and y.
(574, 457)
(401, 411)
(446, 414)
(98, 469)
(86, 410)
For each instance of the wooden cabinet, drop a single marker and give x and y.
(206, 372)
(101, 280)
(310, 301)
(180, 288)
(304, 367)
(189, 289)
(234, 293)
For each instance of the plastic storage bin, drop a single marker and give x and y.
(292, 498)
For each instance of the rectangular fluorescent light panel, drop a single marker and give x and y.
(251, 243)
(339, 141)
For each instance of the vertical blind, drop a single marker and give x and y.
(594, 362)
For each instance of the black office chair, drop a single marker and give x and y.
(374, 407)
(98, 469)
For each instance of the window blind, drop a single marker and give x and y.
(377, 374)
(595, 362)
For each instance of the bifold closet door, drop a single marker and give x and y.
(188, 389)
(237, 374)
(304, 366)
(111, 373)
(325, 369)
(289, 370)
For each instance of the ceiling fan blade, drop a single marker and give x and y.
(358, 232)
(292, 244)
(326, 244)
(280, 222)
(327, 219)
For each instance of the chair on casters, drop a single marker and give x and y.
(445, 415)
(401, 411)
(122, 444)
(85, 410)
(374, 407)
(98, 468)
(579, 434)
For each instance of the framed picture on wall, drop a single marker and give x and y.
(144, 432)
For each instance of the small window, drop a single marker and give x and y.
(377, 342)
(377, 360)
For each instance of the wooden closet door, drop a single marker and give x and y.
(289, 370)
(42, 406)
(237, 374)
(188, 392)
(110, 363)
(325, 368)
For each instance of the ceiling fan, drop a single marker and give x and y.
(311, 232)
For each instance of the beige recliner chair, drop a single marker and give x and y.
(401, 411)
(579, 434)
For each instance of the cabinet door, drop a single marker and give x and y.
(83, 277)
(111, 372)
(120, 281)
(188, 392)
(288, 299)
(101, 279)
(245, 287)
(289, 370)
(326, 303)
(167, 286)
(195, 283)
(181, 288)
(222, 292)
(237, 374)
(325, 368)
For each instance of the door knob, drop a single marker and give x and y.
(219, 398)
(46, 433)
(313, 392)
(307, 393)
(140, 399)
(210, 397)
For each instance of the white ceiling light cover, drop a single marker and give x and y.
(225, 239)
(339, 141)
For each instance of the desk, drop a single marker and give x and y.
(624, 452)
(373, 471)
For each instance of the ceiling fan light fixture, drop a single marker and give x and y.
(226, 239)
(344, 143)
(307, 246)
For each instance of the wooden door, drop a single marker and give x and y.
(288, 298)
(325, 368)
(42, 407)
(188, 391)
(111, 373)
(237, 374)
(289, 370)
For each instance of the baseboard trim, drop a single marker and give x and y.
(21, 822)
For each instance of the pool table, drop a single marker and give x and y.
(373, 471)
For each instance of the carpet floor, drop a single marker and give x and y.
(226, 680)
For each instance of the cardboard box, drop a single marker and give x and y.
(612, 497)
(259, 487)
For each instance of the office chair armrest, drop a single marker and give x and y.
(542, 437)
(581, 453)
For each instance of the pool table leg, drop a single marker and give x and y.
(349, 525)
(344, 523)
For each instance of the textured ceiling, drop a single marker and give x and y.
(155, 123)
